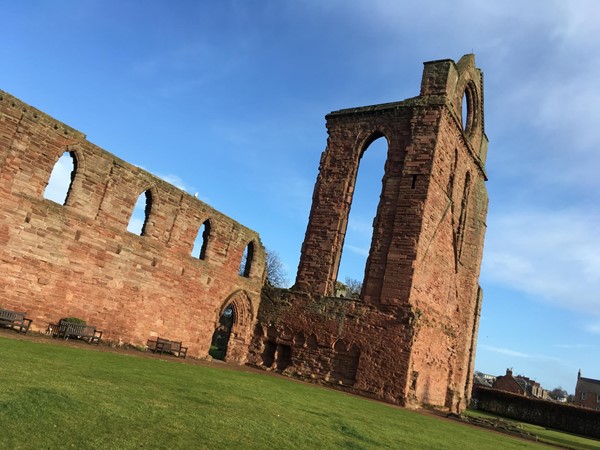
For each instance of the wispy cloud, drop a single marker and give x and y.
(518, 354)
(541, 65)
(174, 180)
(504, 351)
(191, 67)
(574, 346)
(179, 183)
(362, 251)
(361, 226)
(593, 328)
(291, 191)
(553, 255)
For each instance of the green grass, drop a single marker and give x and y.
(562, 439)
(53, 396)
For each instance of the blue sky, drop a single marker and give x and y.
(228, 99)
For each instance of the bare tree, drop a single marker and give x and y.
(350, 289)
(276, 275)
(353, 287)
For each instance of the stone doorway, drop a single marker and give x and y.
(232, 333)
(220, 338)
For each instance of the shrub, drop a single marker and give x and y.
(74, 320)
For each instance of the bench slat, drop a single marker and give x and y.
(161, 345)
(16, 320)
(79, 330)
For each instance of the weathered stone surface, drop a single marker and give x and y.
(79, 259)
(410, 338)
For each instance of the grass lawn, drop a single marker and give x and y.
(54, 396)
(562, 439)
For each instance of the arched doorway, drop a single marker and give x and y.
(232, 334)
(220, 338)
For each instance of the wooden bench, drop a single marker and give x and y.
(16, 320)
(161, 346)
(82, 331)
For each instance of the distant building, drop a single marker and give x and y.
(520, 385)
(483, 379)
(587, 392)
(509, 383)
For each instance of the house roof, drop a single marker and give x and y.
(588, 385)
(480, 379)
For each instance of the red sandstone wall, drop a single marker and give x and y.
(411, 337)
(79, 259)
(445, 283)
(337, 341)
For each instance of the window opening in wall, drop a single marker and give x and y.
(468, 107)
(201, 242)
(464, 110)
(247, 258)
(141, 214)
(61, 179)
(359, 232)
(220, 338)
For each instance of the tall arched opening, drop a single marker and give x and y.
(140, 215)
(232, 334)
(61, 179)
(365, 195)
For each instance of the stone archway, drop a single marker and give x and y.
(233, 329)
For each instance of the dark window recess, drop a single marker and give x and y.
(247, 258)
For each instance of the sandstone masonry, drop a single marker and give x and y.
(410, 338)
(79, 260)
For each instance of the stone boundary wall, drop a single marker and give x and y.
(558, 416)
(78, 259)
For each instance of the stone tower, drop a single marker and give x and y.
(410, 338)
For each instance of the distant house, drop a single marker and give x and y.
(508, 383)
(532, 387)
(483, 379)
(519, 385)
(587, 392)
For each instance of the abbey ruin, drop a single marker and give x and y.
(409, 339)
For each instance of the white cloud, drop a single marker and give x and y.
(361, 226)
(518, 354)
(552, 255)
(541, 61)
(504, 351)
(574, 346)
(291, 191)
(175, 180)
(362, 251)
(593, 328)
(179, 183)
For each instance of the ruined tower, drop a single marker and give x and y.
(410, 338)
